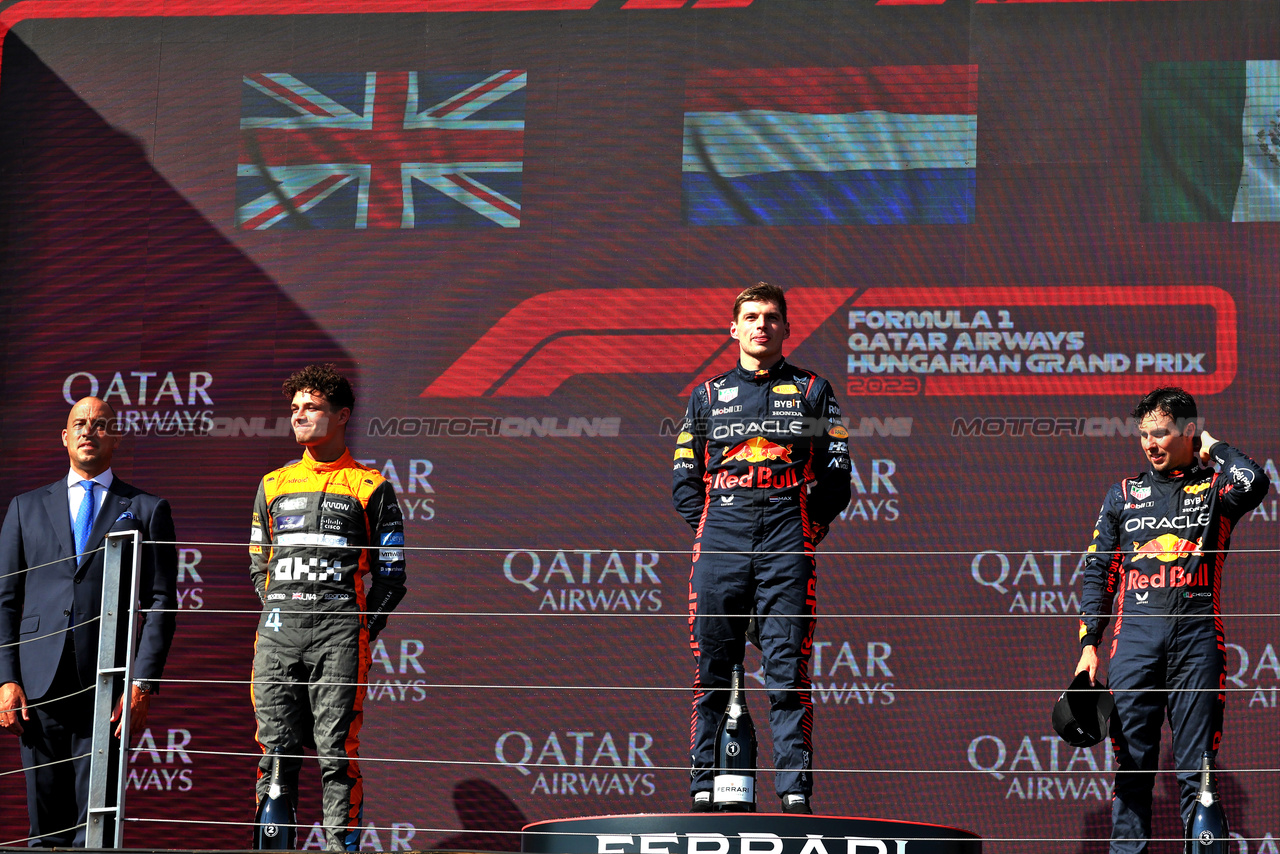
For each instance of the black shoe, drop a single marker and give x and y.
(701, 802)
(796, 804)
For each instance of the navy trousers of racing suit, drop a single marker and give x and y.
(1183, 659)
(781, 587)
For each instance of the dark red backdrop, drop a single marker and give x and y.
(533, 470)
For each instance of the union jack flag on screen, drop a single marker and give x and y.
(380, 150)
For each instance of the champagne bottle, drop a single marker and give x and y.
(735, 781)
(275, 830)
(1207, 827)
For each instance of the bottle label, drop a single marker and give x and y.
(732, 788)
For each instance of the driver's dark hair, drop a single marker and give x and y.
(325, 381)
(1170, 400)
(762, 292)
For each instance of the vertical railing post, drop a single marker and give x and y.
(119, 614)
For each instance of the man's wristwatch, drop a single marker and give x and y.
(146, 686)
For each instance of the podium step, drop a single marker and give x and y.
(742, 833)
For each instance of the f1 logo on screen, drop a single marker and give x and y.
(551, 337)
(548, 338)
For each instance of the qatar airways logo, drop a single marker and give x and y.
(1269, 509)
(1255, 670)
(1034, 767)
(395, 673)
(875, 496)
(1032, 582)
(163, 766)
(160, 403)
(848, 673)
(587, 580)
(415, 494)
(1266, 843)
(580, 762)
(190, 597)
(399, 836)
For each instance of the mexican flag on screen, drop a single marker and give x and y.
(1211, 142)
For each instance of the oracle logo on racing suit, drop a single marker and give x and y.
(1186, 520)
(768, 425)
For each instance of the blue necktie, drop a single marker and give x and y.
(84, 517)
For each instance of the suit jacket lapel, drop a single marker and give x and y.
(59, 510)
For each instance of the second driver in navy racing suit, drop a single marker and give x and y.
(320, 526)
(761, 470)
(1158, 549)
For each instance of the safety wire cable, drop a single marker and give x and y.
(253, 757)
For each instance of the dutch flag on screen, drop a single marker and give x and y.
(893, 145)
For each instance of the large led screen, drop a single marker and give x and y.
(520, 227)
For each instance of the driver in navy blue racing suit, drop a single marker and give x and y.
(1158, 548)
(761, 470)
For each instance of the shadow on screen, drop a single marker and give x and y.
(488, 818)
(107, 273)
(107, 268)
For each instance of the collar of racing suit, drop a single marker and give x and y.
(1176, 474)
(312, 463)
(762, 376)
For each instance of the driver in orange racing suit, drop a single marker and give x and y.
(319, 526)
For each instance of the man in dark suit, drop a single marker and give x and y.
(51, 564)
